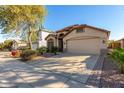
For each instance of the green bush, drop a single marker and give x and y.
(8, 45)
(41, 50)
(28, 54)
(118, 56)
(55, 50)
(1, 46)
(23, 48)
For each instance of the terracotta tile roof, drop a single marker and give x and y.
(68, 28)
(72, 27)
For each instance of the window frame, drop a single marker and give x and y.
(80, 30)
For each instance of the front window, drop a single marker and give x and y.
(80, 30)
(61, 35)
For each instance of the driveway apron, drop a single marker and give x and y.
(64, 70)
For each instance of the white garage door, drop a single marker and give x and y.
(87, 46)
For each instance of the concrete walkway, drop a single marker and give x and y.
(61, 71)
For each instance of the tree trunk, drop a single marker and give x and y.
(29, 38)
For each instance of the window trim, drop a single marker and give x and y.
(80, 30)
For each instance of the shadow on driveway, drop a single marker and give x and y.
(54, 72)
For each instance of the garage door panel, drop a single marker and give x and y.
(90, 46)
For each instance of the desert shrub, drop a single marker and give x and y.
(55, 50)
(23, 48)
(1, 46)
(28, 54)
(8, 45)
(118, 56)
(41, 50)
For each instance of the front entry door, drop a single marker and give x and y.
(50, 45)
(60, 45)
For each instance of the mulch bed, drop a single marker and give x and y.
(111, 76)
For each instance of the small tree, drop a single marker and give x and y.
(8, 44)
(24, 20)
(1, 46)
(42, 50)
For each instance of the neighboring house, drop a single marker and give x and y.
(121, 42)
(79, 39)
(42, 34)
(19, 44)
(117, 44)
(112, 44)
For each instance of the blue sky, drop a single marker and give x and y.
(107, 17)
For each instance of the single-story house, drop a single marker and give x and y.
(116, 44)
(112, 44)
(41, 35)
(121, 42)
(19, 44)
(79, 39)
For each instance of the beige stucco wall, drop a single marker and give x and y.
(22, 45)
(64, 32)
(121, 43)
(89, 33)
(17, 45)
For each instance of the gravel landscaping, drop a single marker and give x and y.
(111, 76)
(106, 74)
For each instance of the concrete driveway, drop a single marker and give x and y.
(61, 71)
